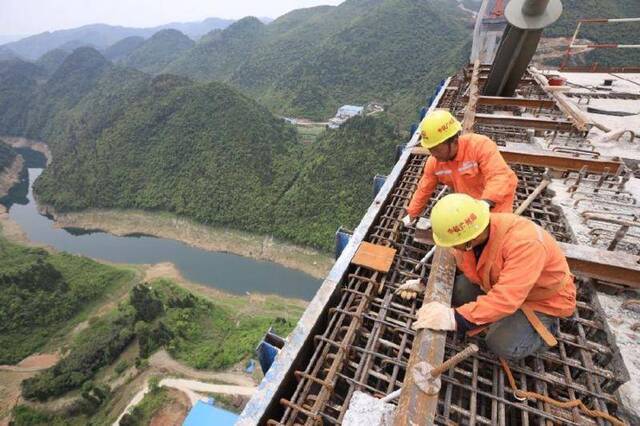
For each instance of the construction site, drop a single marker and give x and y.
(571, 137)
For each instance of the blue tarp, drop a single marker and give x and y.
(203, 414)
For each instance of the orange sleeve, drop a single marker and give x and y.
(499, 180)
(522, 268)
(426, 186)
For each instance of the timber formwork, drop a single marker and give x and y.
(365, 341)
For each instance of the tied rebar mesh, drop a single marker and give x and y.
(365, 339)
(367, 342)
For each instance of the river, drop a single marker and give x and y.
(225, 271)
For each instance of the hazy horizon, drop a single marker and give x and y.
(22, 18)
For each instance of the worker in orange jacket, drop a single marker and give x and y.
(514, 274)
(469, 163)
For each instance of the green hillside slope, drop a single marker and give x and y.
(310, 61)
(123, 48)
(334, 186)
(203, 151)
(156, 53)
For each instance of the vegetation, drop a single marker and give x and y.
(142, 413)
(7, 156)
(334, 186)
(157, 52)
(28, 416)
(123, 48)
(202, 333)
(310, 61)
(41, 294)
(51, 60)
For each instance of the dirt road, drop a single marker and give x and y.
(163, 361)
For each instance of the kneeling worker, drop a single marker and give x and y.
(469, 163)
(514, 277)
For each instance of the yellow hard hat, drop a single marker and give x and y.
(458, 218)
(437, 127)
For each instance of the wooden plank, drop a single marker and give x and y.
(416, 407)
(610, 266)
(557, 161)
(373, 256)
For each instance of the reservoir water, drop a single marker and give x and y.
(228, 272)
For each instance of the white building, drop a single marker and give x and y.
(344, 113)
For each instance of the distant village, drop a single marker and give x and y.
(343, 114)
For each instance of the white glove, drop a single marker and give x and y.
(411, 289)
(435, 316)
(408, 220)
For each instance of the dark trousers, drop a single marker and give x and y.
(512, 337)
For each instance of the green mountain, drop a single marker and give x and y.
(334, 184)
(123, 48)
(73, 79)
(101, 36)
(51, 60)
(18, 88)
(220, 52)
(156, 53)
(121, 139)
(310, 61)
(7, 54)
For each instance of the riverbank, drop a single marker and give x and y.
(11, 176)
(39, 146)
(165, 225)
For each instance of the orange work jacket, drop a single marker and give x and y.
(521, 263)
(477, 170)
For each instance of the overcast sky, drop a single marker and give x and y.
(36, 16)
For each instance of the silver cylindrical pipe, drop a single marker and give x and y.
(534, 7)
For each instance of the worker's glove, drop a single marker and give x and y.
(435, 316)
(408, 221)
(411, 289)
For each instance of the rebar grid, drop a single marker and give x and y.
(541, 211)
(503, 134)
(582, 366)
(367, 341)
(609, 211)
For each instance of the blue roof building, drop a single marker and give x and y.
(203, 414)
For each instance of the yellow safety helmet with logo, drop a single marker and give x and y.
(437, 127)
(457, 219)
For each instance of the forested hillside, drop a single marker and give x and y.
(153, 55)
(310, 61)
(123, 48)
(40, 293)
(335, 181)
